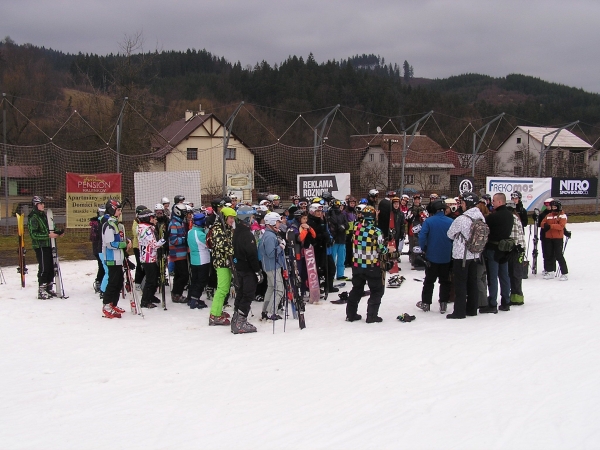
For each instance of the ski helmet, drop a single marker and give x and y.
(101, 211)
(179, 210)
(335, 203)
(548, 201)
(438, 205)
(112, 205)
(272, 218)
(369, 213)
(470, 199)
(433, 196)
(391, 193)
(516, 194)
(159, 207)
(556, 203)
(273, 197)
(314, 207)
(327, 196)
(245, 213)
(179, 199)
(165, 201)
(363, 201)
(417, 196)
(299, 213)
(373, 193)
(199, 219)
(452, 204)
(217, 203)
(395, 199)
(405, 197)
(228, 212)
(36, 200)
(145, 215)
(139, 209)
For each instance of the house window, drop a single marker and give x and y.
(409, 179)
(595, 158)
(382, 158)
(434, 179)
(192, 153)
(518, 155)
(230, 153)
(518, 140)
(518, 171)
(371, 157)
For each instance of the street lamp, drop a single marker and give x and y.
(389, 170)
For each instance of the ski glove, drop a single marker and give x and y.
(409, 215)
(160, 243)
(260, 277)
(546, 226)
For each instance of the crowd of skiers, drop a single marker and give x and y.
(467, 244)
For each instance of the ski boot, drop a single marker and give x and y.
(220, 320)
(548, 275)
(240, 325)
(117, 309)
(42, 293)
(443, 307)
(50, 291)
(374, 319)
(423, 306)
(109, 312)
(193, 302)
(343, 299)
(353, 318)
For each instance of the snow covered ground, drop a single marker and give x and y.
(520, 379)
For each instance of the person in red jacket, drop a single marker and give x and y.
(554, 226)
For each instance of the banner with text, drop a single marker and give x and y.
(337, 184)
(86, 192)
(533, 190)
(574, 187)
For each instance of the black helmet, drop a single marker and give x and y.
(438, 205)
(556, 203)
(37, 199)
(470, 199)
(217, 203)
(180, 210)
(516, 194)
(179, 199)
(245, 213)
(327, 196)
(112, 205)
(145, 215)
(139, 209)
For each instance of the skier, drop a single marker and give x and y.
(321, 244)
(271, 250)
(37, 223)
(383, 214)
(222, 253)
(350, 213)
(113, 247)
(554, 227)
(515, 259)
(435, 243)
(148, 246)
(545, 211)
(199, 261)
(139, 269)
(517, 197)
(166, 203)
(372, 198)
(248, 270)
(96, 240)
(414, 220)
(430, 206)
(178, 252)
(368, 244)
(338, 224)
(399, 224)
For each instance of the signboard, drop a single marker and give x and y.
(467, 184)
(574, 187)
(337, 184)
(533, 190)
(151, 187)
(86, 192)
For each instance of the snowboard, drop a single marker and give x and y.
(313, 276)
(60, 289)
(392, 244)
(22, 268)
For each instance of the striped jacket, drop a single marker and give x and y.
(177, 239)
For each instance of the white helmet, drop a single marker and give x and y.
(373, 192)
(273, 197)
(315, 207)
(272, 218)
(262, 208)
(405, 197)
(165, 200)
(159, 207)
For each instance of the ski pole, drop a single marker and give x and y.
(563, 252)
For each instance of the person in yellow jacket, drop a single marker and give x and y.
(554, 227)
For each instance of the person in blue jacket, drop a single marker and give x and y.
(437, 247)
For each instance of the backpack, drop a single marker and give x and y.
(478, 237)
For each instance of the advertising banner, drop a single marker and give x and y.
(313, 185)
(574, 187)
(533, 190)
(86, 192)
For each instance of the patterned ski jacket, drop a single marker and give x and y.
(460, 231)
(557, 222)
(517, 232)
(199, 253)
(113, 243)
(367, 244)
(146, 238)
(222, 248)
(177, 239)
(37, 223)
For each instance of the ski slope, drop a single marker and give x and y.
(524, 379)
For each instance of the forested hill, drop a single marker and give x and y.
(369, 89)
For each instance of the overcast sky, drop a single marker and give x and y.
(555, 40)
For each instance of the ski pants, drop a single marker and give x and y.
(139, 267)
(274, 292)
(45, 265)
(181, 276)
(497, 271)
(199, 279)
(466, 297)
(361, 276)
(515, 272)
(101, 271)
(223, 286)
(482, 285)
(554, 253)
(151, 271)
(104, 282)
(440, 272)
(339, 258)
(244, 294)
(114, 286)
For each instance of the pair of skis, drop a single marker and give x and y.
(60, 288)
(128, 284)
(292, 282)
(22, 269)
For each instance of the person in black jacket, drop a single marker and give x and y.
(321, 242)
(500, 223)
(397, 234)
(516, 197)
(383, 214)
(96, 240)
(338, 224)
(247, 268)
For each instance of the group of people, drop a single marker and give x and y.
(247, 249)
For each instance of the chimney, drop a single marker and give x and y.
(189, 114)
(200, 112)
